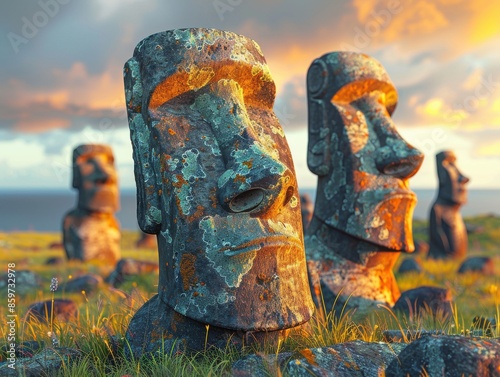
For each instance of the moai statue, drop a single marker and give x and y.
(307, 209)
(447, 232)
(91, 230)
(363, 212)
(216, 184)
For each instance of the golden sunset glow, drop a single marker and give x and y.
(441, 55)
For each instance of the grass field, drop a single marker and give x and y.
(103, 317)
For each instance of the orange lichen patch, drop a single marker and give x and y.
(240, 178)
(257, 91)
(310, 357)
(197, 214)
(180, 181)
(362, 180)
(171, 132)
(188, 271)
(213, 197)
(355, 90)
(248, 164)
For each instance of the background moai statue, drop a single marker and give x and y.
(216, 184)
(447, 232)
(307, 209)
(91, 230)
(363, 211)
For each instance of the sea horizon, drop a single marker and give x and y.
(42, 210)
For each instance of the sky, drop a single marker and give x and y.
(62, 84)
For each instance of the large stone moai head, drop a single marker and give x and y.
(91, 231)
(363, 210)
(95, 178)
(447, 233)
(216, 183)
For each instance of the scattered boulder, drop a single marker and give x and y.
(46, 363)
(64, 310)
(345, 359)
(88, 283)
(25, 349)
(130, 267)
(26, 282)
(417, 301)
(448, 355)
(482, 265)
(409, 265)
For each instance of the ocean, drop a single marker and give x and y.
(42, 211)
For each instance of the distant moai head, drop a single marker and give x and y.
(452, 183)
(363, 164)
(215, 180)
(95, 178)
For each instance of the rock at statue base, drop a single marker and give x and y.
(363, 212)
(449, 355)
(216, 184)
(447, 232)
(91, 231)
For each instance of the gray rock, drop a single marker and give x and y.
(345, 359)
(482, 265)
(450, 356)
(88, 283)
(46, 363)
(128, 267)
(409, 265)
(64, 310)
(26, 282)
(415, 302)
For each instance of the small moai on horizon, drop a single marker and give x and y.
(216, 184)
(447, 232)
(91, 230)
(363, 211)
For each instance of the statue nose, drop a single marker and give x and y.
(396, 157)
(463, 179)
(254, 180)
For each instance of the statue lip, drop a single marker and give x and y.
(261, 243)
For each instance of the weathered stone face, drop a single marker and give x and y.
(95, 177)
(216, 181)
(452, 183)
(91, 231)
(362, 162)
(363, 211)
(447, 233)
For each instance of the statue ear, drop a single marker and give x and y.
(146, 178)
(318, 150)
